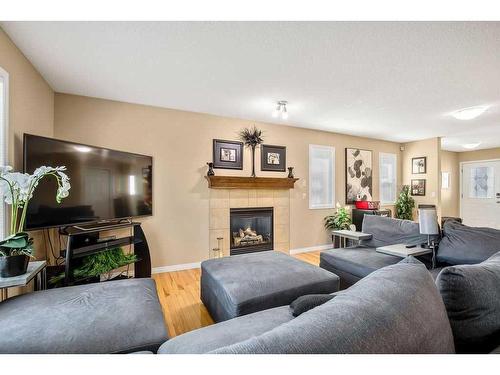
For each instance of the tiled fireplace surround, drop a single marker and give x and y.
(221, 200)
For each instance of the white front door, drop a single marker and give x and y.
(480, 197)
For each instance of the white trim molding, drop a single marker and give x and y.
(310, 249)
(176, 267)
(190, 266)
(4, 142)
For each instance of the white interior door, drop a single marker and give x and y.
(480, 197)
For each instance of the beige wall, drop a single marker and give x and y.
(181, 143)
(486, 154)
(430, 148)
(31, 107)
(450, 197)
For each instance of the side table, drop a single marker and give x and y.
(36, 269)
(345, 234)
(400, 250)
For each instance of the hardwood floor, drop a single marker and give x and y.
(179, 294)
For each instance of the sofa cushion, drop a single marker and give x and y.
(410, 259)
(471, 294)
(467, 245)
(226, 333)
(359, 261)
(108, 317)
(308, 302)
(243, 284)
(396, 309)
(388, 231)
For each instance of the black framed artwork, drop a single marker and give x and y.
(419, 165)
(358, 175)
(228, 154)
(418, 187)
(273, 158)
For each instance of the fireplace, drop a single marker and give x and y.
(251, 230)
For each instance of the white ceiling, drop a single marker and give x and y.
(388, 80)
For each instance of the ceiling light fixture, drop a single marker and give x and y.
(470, 113)
(470, 146)
(281, 110)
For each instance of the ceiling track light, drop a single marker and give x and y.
(470, 113)
(471, 146)
(281, 110)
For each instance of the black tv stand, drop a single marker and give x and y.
(85, 241)
(103, 225)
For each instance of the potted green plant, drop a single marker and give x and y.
(405, 204)
(16, 190)
(101, 263)
(252, 137)
(341, 219)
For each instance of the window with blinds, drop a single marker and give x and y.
(321, 177)
(387, 178)
(4, 108)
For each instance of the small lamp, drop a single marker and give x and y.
(427, 219)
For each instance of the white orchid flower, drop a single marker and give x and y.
(17, 189)
(5, 169)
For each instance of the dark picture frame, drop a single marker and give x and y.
(358, 174)
(417, 188)
(273, 158)
(419, 165)
(227, 154)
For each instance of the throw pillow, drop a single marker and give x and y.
(471, 294)
(308, 302)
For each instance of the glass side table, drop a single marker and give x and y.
(345, 235)
(36, 270)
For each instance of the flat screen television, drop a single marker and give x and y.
(105, 184)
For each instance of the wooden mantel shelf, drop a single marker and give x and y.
(236, 182)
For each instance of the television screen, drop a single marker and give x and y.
(105, 184)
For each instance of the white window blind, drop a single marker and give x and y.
(4, 110)
(388, 177)
(321, 177)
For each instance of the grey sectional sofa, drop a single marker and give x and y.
(353, 263)
(396, 309)
(459, 244)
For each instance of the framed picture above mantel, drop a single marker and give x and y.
(227, 154)
(273, 158)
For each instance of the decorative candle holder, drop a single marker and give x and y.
(210, 169)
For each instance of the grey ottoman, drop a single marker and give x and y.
(243, 284)
(112, 317)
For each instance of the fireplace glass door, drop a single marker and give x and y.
(251, 230)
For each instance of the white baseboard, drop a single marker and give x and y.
(189, 266)
(176, 267)
(309, 249)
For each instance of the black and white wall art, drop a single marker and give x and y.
(358, 165)
(273, 158)
(227, 154)
(419, 165)
(418, 187)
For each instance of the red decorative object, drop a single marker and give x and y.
(367, 205)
